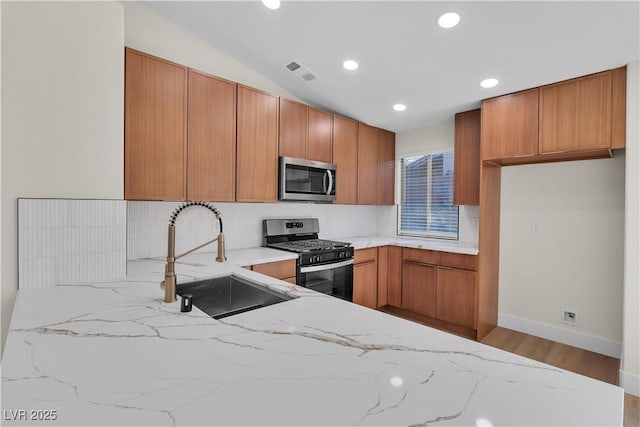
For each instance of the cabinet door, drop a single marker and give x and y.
(365, 284)
(576, 115)
(394, 276)
(293, 129)
(386, 167)
(320, 129)
(257, 146)
(367, 164)
(345, 156)
(466, 180)
(211, 161)
(155, 123)
(457, 296)
(510, 126)
(419, 288)
(618, 107)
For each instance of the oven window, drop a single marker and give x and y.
(333, 281)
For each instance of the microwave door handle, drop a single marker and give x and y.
(330, 182)
(324, 183)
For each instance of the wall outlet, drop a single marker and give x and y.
(569, 317)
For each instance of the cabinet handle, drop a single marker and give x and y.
(553, 152)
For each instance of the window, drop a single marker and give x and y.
(426, 196)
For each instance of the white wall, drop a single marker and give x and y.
(150, 32)
(435, 138)
(630, 363)
(62, 111)
(573, 261)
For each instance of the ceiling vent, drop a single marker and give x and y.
(301, 71)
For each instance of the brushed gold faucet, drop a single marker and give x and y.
(169, 282)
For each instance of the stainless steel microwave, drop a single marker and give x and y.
(309, 180)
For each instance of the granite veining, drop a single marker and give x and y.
(113, 353)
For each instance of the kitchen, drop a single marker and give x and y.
(102, 159)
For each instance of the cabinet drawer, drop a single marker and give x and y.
(463, 261)
(364, 255)
(279, 269)
(419, 255)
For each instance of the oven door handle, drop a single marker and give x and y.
(324, 267)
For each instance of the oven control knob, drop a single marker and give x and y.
(342, 254)
(318, 258)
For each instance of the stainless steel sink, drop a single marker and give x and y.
(225, 296)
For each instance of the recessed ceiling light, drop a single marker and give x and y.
(399, 107)
(487, 83)
(271, 4)
(350, 64)
(448, 20)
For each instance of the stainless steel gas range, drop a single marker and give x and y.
(323, 265)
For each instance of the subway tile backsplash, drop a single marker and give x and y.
(65, 241)
(147, 224)
(242, 222)
(69, 240)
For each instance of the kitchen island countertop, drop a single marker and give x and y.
(113, 353)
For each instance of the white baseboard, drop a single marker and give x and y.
(550, 332)
(630, 383)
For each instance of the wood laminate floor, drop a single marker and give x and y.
(594, 365)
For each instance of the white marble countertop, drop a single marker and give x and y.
(113, 353)
(362, 242)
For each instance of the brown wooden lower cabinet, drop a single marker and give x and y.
(435, 288)
(456, 296)
(365, 284)
(365, 277)
(283, 270)
(419, 288)
(394, 276)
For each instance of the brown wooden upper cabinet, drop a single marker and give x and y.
(155, 128)
(319, 144)
(386, 167)
(466, 180)
(376, 165)
(345, 156)
(510, 125)
(576, 114)
(305, 132)
(367, 164)
(211, 161)
(257, 146)
(293, 129)
(575, 119)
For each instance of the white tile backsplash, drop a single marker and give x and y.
(242, 222)
(468, 217)
(65, 241)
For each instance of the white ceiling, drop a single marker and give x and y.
(405, 57)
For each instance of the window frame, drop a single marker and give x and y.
(399, 191)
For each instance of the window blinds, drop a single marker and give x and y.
(426, 200)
